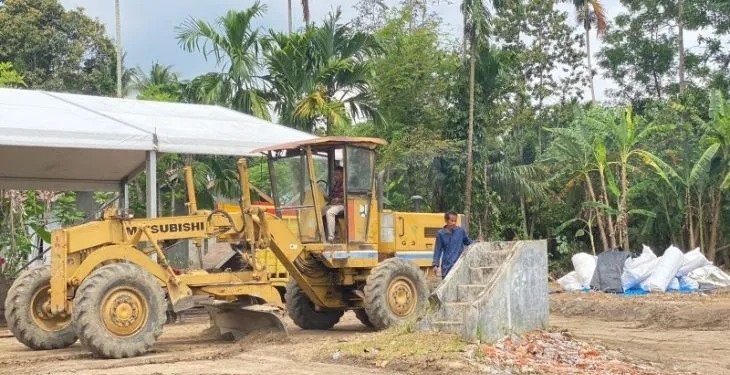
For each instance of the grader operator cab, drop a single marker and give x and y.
(104, 288)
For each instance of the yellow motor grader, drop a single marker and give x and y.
(110, 285)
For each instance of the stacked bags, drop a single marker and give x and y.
(674, 270)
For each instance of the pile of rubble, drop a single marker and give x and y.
(618, 272)
(557, 353)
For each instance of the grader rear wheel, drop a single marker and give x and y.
(302, 311)
(120, 311)
(395, 293)
(28, 316)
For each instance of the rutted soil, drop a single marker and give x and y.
(672, 333)
(677, 332)
(699, 311)
(190, 348)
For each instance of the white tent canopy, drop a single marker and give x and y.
(60, 141)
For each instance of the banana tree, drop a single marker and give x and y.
(718, 133)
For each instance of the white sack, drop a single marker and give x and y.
(665, 270)
(638, 269)
(692, 260)
(584, 265)
(710, 276)
(570, 282)
(688, 283)
(673, 284)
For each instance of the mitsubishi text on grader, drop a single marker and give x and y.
(105, 288)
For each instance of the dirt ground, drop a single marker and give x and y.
(187, 348)
(672, 333)
(679, 332)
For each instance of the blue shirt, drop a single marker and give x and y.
(448, 248)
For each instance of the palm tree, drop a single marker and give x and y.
(321, 75)
(159, 75)
(235, 48)
(572, 151)
(160, 84)
(476, 25)
(628, 134)
(590, 12)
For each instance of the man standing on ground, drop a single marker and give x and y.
(335, 205)
(450, 242)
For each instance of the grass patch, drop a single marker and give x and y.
(401, 349)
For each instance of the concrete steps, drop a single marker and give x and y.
(452, 326)
(471, 299)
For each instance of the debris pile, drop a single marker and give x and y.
(557, 353)
(617, 272)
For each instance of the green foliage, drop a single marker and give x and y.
(234, 44)
(321, 76)
(56, 49)
(161, 84)
(412, 76)
(9, 77)
(25, 220)
(544, 165)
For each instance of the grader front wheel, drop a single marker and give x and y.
(302, 311)
(120, 311)
(395, 293)
(28, 315)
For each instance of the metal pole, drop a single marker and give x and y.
(151, 184)
(123, 196)
(118, 17)
(289, 16)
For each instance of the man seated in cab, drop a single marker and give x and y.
(335, 205)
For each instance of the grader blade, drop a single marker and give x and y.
(236, 321)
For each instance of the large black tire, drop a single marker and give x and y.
(302, 311)
(28, 320)
(363, 317)
(395, 293)
(119, 311)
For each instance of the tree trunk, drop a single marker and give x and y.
(609, 218)
(599, 219)
(588, 55)
(715, 225)
(305, 11)
(680, 42)
(623, 216)
(523, 210)
(289, 20)
(470, 136)
(700, 222)
(485, 222)
(690, 222)
(118, 19)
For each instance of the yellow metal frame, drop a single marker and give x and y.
(78, 251)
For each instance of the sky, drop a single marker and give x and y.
(148, 27)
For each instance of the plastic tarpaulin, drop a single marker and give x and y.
(190, 128)
(60, 141)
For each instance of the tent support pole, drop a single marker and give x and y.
(124, 196)
(151, 174)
